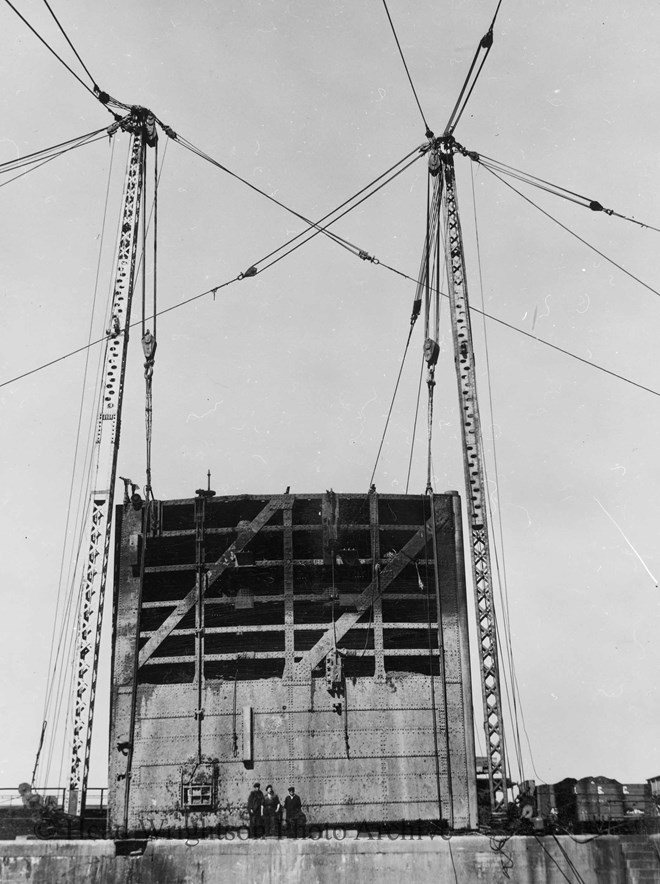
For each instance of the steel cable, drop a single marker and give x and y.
(429, 134)
(58, 57)
(75, 52)
(554, 189)
(576, 235)
(486, 43)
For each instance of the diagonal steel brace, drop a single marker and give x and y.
(310, 659)
(226, 560)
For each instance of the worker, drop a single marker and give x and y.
(255, 811)
(29, 798)
(295, 819)
(272, 811)
(149, 348)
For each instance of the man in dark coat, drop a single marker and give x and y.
(295, 819)
(255, 811)
(271, 809)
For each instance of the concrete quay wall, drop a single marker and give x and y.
(469, 858)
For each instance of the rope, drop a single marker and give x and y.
(429, 134)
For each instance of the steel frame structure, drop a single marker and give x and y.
(224, 617)
(141, 126)
(475, 486)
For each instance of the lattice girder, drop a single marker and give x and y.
(475, 484)
(104, 469)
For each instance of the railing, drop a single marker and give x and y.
(96, 797)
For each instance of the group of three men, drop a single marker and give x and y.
(265, 812)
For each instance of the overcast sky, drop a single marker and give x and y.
(286, 378)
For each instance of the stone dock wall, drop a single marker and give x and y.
(605, 859)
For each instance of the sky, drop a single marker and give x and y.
(285, 379)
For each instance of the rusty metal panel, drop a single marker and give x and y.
(291, 578)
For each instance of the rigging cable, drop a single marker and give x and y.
(361, 253)
(561, 871)
(214, 289)
(441, 653)
(252, 271)
(41, 743)
(67, 669)
(339, 240)
(414, 431)
(570, 862)
(413, 320)
(21, 161)
(141, 208)
(64, 694)
(52, 667)
(486, 44)
(576, 235)
(38, 165)
(149, 342)
(435, 222)
(431, 352)
(149, 346)
(423, 586)
(79, 531)
(429, 134)
(93, 91)
(501, 577)
(64, 34)
(389, 413)
(431, 348)
(423, 283)
(554, 189)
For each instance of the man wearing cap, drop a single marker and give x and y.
(255, 811)
(294, 815)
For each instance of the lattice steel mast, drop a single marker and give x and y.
(443, 150)
(140, 123)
